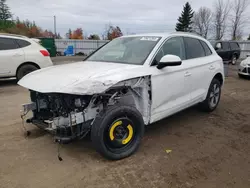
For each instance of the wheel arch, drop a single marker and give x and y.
(27, 63)
(219, 77)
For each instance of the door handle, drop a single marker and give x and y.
(17, 55)
(187, 74)
(211, 67)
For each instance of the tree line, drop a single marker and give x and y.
(30, 29)
(227, 16)
(110, 33)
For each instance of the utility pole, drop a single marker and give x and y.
(54, 26)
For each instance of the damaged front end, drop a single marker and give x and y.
(70, 116)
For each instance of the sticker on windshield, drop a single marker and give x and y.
(150, 38)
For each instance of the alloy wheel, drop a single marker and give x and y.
(214, 95)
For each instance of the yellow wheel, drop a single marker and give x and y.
(121, 132)
(117, 132)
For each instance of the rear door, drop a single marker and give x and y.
(200, 61)
(226, 50)
(11, 56)
(235, 49)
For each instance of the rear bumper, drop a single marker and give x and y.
(45, 62)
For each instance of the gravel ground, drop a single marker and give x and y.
(208, 150)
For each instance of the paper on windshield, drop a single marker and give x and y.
(150, 38)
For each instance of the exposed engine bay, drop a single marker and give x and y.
(70, 116)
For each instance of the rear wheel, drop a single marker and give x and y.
(213, 96)
(234, 59)
(24, 70)
(117, 132)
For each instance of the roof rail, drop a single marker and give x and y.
(14, 35)
(190, 33)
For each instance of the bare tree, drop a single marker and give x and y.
(238, 18)
(221, 11)
(202, 21)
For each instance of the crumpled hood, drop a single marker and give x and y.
(85, 77)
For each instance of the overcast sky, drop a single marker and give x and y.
(133, 16)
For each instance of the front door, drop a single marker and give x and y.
(10, 57)
(170, 85)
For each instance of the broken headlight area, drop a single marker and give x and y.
(65, 115)
(70, 116)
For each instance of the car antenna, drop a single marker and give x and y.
(58, 151)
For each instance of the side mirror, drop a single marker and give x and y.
(169, 60)
(248, 55)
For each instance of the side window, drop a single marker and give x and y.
(234, 45)
(173, 46)
(194, 48)
(22, 43)
(225, 46)
(7, 44)
(206, 48)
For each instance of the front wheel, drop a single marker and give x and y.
(213, 96)
(117, 132)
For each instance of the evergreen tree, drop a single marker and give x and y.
(248, 37)
(69, 34)
(185, 20)
(5, 13)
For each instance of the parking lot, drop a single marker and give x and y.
(207, 150)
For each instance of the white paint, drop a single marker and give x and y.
(244, 64)
(10, 60)
(173, 88)
(170, 59)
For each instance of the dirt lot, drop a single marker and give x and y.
(208, 150)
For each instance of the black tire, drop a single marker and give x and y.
(103, 129)
(234, 59)
(213, 97)
(24, 70)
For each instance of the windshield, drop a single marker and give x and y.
(128, 50)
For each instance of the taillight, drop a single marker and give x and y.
(45, 53)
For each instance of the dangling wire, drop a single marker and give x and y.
(27, 133)
(58, 151)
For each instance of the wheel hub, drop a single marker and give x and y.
(121, 132)
(214, 95)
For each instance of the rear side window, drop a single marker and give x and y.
(234, 45)
(7, 44)
(22, 43)
(225, 46)
(194, 48)
(206, 48)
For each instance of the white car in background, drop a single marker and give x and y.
(244, 68)
(130, 82)
(21, 55)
